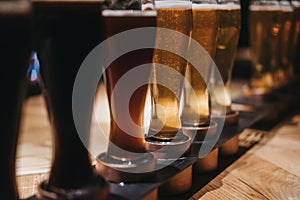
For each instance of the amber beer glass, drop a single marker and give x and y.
(116, 22)
(175, 15)
(264, 26)
(227, 40)
(293, 39)
(66, 32)
(127, 159)
(294, 45)
(196, 110)
(15, 49)
(284, 74)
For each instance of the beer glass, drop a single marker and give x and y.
(196, 114)
(196, 110)
(66, 31)
(294, 45)
(284, 72)
(165, 135)
(265, 28)
(127, 157)
(15, 48)
(168, 69)
(227, 40)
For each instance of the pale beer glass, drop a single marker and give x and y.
(229, 13)
(265, 27)
(196, 114)
(169, 68)
(196, 109)
(284, 71)
(294, 45)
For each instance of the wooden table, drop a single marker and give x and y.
(270, 170)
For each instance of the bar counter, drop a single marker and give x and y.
(268, 170)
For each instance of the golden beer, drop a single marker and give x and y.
(196, 110)
(294, 47)
(265, 26)
(177, 16)
(284, 71)
(227, 40)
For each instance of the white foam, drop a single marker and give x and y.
(229, 6)
(14, 7)
(296, 3)
(286, 7)
(204, 6)
(173, 4)
(123, 13)
(264, 8)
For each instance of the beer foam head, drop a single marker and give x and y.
(229, 6)
(262, 7)
(14, 7)
(286, 6)
(128, 13)
(296, 3)
(173, 4)
(204, 6)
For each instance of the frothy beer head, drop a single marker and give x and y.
(7, 7)
(229, 6)
(128, 13)
(204, 6)
(172, 4)
(264, 8)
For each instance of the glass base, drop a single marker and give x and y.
(127, 170)
(169, 149)
(198, 133)
(231, 118)
(98, 190)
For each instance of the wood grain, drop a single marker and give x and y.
(270, 170)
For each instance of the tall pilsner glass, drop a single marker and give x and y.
(196, 109)
(227, 40)
(196, 114)
(165, 134)
(126, 159)
(169, 68)
(265, 27)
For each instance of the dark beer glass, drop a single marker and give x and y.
(15, 48)
(66, 32)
